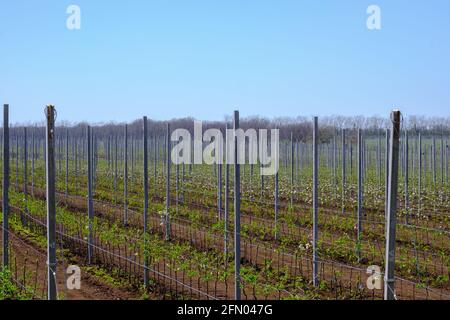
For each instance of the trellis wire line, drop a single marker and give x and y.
(331, 263)
(125, 259)
(245, 236)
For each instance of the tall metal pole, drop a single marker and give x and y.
(177, 180)
(237, 212)
(276, 204)
(386, 188)
(442, 161)
(360, 194)
(419, 187)
(406, 176)
(433, 159)
(297, 167)
(446, 161)
(379, 161)
(262, 183)
(315, 203)
(292, 169)
(67, 162)
(219, 186)
(5, 186)
(33, 155)
(227, 197)
(90, 192)
(17, 164)
(116, 165)
(343, 171)
(168, 162)
(145, 201)
(51, 205)
(351, 159)
(75, 154)
(334, 164)
(155, 163)
(125, 178)
(25, 168)
(389, 281)
(93, 157)
(132, 159)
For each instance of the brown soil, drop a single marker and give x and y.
(27, 256)
(345, 279)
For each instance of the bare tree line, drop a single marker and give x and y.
(300, 127)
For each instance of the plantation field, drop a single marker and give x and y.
(187, 251)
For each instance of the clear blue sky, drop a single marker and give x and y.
(168, 58)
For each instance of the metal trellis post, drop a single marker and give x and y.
(168, 165)
(360, 195)
(237, 211)
(5, 186)
(315, 202)
(343, 171)
(125, 178)
(391, 221)
(90, 192)
(51, 205)
(145, 138)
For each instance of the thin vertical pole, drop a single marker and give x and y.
(315, 202)
(360, 194)
(125, 178)
(237, 212)
(334, 164)
(90, 183)
(386, 186)
(442, 161)
(343, 171)
(5, 201)
(168, 162)
(227, 197)
(262, 183)
(389, 281)
(17, 162)
(59, 155)
(414, 158)
(446, 161)
(276, 204)
(419, 191)
(33, 154)
(75, 154)
(292, 169)
(183, 180)
(116, 165)
(146, 279)
(25, 168)
(67, 162)
(351, 160)
(92, 156)
(406, 160)
(379, 157)
(155, 163)
(177, 180)
(132, 159)
(433, 159)
(51, 206)
(219, 186)
(297, 167)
